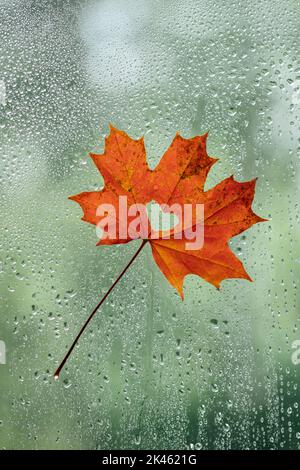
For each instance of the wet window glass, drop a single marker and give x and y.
(219, 370)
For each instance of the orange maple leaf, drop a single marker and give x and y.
(179, 178)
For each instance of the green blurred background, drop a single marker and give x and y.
(151, 372)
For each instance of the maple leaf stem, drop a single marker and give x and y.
(63, 362)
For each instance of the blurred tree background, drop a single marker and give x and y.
(152, 372)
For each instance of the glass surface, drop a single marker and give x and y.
(218, 371)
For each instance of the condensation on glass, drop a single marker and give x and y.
(219, 370)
